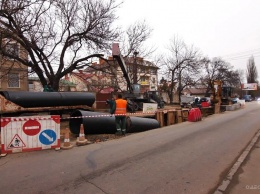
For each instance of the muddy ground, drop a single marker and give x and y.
(93, 138)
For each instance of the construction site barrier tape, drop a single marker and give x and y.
(8, 119)
(26, 119)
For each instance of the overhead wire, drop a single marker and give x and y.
(242, 55)
(242, 52)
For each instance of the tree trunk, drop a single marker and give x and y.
(171, 97)
(55, 84)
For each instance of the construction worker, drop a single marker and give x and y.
(48, 88)
(112, 104)
(120, 115)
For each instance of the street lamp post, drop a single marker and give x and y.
(135, 67)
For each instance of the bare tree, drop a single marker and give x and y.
(251, 73)
(219, 70)
(135, 49)
(137, 35)
(58, 35)
(237, 78)
(181, 59)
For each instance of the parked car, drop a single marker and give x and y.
(205, 102)
(204, 99)
(234, 100)
(248, 98)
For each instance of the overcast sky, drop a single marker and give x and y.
(219, 28)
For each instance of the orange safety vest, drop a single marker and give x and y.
(120, 106)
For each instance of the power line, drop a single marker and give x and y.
(242, 57)
(242, 53)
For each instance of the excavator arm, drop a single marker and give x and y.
(119, 58)
(135, 101)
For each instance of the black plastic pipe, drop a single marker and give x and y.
(102, 123)
(139, 124)
(93, 122)
(49, 99)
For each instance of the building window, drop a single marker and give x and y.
(143, 79)
(13, 80)
(153, 71)
(31, 86)
(142, 70)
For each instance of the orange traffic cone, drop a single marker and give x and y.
(67, 145)
(81, 140)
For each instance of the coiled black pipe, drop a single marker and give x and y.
(93, 122)
(49, 99)
(139, 124)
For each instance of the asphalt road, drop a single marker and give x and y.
(183, 158)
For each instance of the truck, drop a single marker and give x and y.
(187, 101)
(133, 95)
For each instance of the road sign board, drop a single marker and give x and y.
(47, 137)
(16, 142)
(31, 127)
(21, 134)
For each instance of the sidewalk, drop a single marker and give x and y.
(246, 179)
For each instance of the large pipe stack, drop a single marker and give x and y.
(103, 123)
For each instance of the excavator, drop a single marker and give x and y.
(133, 95)
(224, 93)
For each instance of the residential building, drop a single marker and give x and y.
(91, 81)
(35, 84)
(145, 73)
(106, 77)
(65, 85)
(13, 74)
(200, 92)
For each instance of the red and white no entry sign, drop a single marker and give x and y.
(31, 127)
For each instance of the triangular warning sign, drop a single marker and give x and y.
(16, 142)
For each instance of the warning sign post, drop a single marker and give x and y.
(21, 134)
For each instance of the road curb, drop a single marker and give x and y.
(223, 186)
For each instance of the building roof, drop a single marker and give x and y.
(140, 61)
(82, 75)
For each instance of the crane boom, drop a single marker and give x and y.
(117, 55)
(133, 94)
